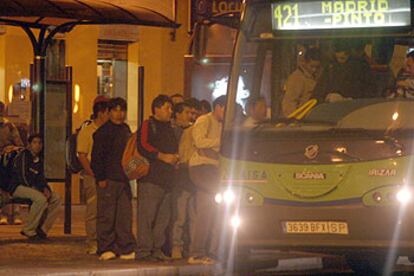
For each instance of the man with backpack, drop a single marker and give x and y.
(114, 205)
(157, 142)
(84, 150)
(29, 182)
(9, 141)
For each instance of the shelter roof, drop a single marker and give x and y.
(41, 13)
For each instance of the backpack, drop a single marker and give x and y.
(135, 165)
(6, 168)
(71, 153)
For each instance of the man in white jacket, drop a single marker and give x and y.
(204, 174)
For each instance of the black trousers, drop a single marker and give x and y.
(114, 219)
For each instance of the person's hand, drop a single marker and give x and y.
(404, 83)
(335, 97)
(168, 158)
(90, 173)
(6, 194)
(47, 193)
(10, 148)
(102, 184)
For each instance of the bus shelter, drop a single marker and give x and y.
(41, 20)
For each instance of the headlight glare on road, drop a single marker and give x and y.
(404, 196)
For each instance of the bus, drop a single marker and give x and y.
(336, 174)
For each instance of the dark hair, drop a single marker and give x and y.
(312, 54)
(115, 102)
(34, 136)
(178, 108)
(177, 95)
(193, 103)
(2, 108)
(342, 46)
(99, 107)
(206, 105)
(159, 101)
(220, 101)
(410, 54)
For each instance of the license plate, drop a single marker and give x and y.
(316, 227)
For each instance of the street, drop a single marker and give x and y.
(65, 255)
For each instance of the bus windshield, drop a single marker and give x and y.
(284, 79)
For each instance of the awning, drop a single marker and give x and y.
(41, 13)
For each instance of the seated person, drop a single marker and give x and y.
(347, 78)
(256, 112)
(28, 182)
(404, 86)
(301, 83)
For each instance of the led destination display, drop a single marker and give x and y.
(314, 15)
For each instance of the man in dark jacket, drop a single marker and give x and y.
(159, 145)
(183, 187)
(347, 78)
(28, 182)
(114, 214)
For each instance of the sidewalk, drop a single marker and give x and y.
(65, 255)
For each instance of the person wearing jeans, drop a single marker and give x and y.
(114, 213)
(183, 187)
(159, 145)
(204, 173)
(84, 148)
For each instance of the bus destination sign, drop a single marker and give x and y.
(334, 14)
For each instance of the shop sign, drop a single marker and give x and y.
(204, 9)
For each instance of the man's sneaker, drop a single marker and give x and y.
(107, 255)
(41, 234)
(160, 256)
(177, 253)
(201, 260)
(32, 238)
(130, 256)
(4, 221)
(92, 250)
(17, 221)
(146, 258)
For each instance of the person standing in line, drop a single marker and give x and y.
(204, 173)
(177, 98)
(84, 148)
(205, 107)
(159, 145)
(183, 188)
(195, 108)
(114, 196)
(9, 141)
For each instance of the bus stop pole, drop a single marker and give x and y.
(68, 175)
(140, 114)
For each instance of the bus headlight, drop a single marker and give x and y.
(235, 222)
(404, 195)
(218, 198)
(228, 197)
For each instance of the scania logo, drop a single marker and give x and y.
(312, 151)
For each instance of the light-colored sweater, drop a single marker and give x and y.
(206, 134)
